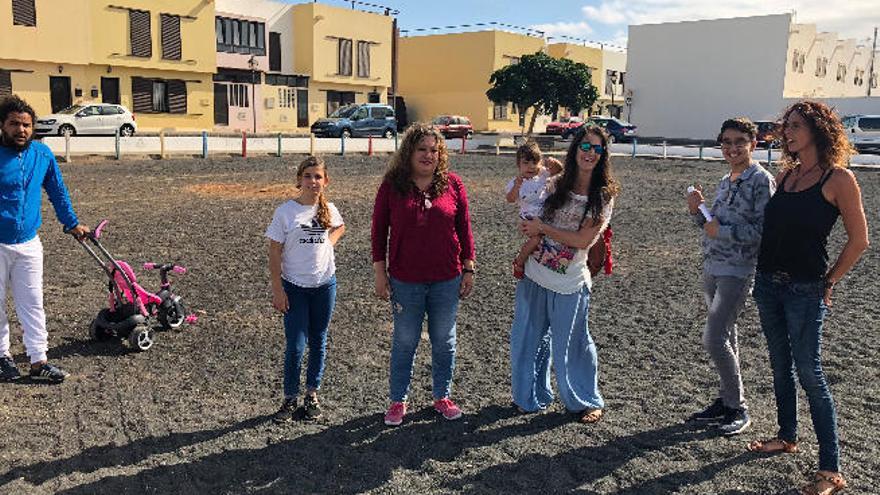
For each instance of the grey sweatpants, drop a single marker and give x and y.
(725, 298)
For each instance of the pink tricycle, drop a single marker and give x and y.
(130, 307)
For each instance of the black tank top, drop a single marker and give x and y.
(796, 229)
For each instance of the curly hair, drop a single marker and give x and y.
(603, 186)
(399, 173)
(528, 151)
(14, 104)
(829, 136)
(323, 211)
(741, 124)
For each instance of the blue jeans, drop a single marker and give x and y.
(409, 304)
(791, 316)
(540, 312)
(307, 319)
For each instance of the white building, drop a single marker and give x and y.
(687, 77)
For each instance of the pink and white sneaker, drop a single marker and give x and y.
(396, 412)
(447, 408)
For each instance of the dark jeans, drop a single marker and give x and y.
(791, 317)
(307, 319)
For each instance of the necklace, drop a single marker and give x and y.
(801, 175)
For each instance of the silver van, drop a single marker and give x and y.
(863, 131)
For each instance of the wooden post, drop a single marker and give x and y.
(162, 145)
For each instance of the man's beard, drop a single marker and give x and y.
(9, 141)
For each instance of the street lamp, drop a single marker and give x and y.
(253, 64)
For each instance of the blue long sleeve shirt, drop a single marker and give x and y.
(22, 176)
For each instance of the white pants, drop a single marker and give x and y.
(21, 267)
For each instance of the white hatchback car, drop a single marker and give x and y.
(95, 118)
(863, 131)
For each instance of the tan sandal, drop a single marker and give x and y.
(824, 484)
(591, 416)
(773, 446)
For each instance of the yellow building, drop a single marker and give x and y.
(449, 74)
(589, 56)
(151, 56)
(346, 54)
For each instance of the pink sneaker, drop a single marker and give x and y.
(447, 408)
(395, 414)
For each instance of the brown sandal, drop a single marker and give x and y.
(824, 484)
(773, 446)
(591, 416)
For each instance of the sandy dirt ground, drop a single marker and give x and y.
(193, 414)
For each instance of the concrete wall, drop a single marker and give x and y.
(38, 43)
(687, 77)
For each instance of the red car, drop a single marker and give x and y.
(454, 126)
(564, 125)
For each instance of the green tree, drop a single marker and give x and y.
(543, 83)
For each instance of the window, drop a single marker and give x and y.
(869, 124)
(24, 13)
(239, 95)
(110, 110)
(797, 61)
(5, 83)
(841, 72)
(171, 46)
(343, 57)
(363, 59)
(338, 99)
(610, 82)
(141, 38)
(91, 111)
(284, 80)
(873, 81)
(240, 36)
(499, 111)
(275, 51)
(512, 60)
(158, 95)
(821, 66)
(286, 98)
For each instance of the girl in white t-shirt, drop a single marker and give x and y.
(303, 274)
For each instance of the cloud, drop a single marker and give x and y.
(564, 28)
(850, 19)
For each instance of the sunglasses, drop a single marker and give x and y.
(586, 147)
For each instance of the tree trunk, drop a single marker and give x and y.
(532, 121)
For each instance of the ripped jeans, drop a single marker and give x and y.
(410, 303)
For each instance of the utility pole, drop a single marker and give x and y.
(871, 78)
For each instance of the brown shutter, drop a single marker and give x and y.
(176, 96)
(141, 94)
(24, 13)
(275, 51)
(344, 57)
(363, 59)
(5, 83)
(171, 47)
(141, 38)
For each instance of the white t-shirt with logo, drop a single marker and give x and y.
(531, 194)
(563, 269)
(307, 259)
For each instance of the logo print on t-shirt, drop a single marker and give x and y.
(315, 232)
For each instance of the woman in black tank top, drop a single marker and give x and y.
(794, 283)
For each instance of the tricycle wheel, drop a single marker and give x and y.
(141, 338)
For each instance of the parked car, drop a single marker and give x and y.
(92, 118)
(564, 126)
(768, 133)
(617, 129)
(367, 119)
(454, 126)
(863, 131)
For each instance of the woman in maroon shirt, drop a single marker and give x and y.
(430, 261)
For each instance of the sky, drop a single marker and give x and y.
(607, 20)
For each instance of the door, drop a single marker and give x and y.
(302, 108)
(59, 91)
(360, 122)
(110, 90)
(221, 104)
(89, 121)
(111, 117)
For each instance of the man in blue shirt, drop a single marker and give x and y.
(26, 168)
